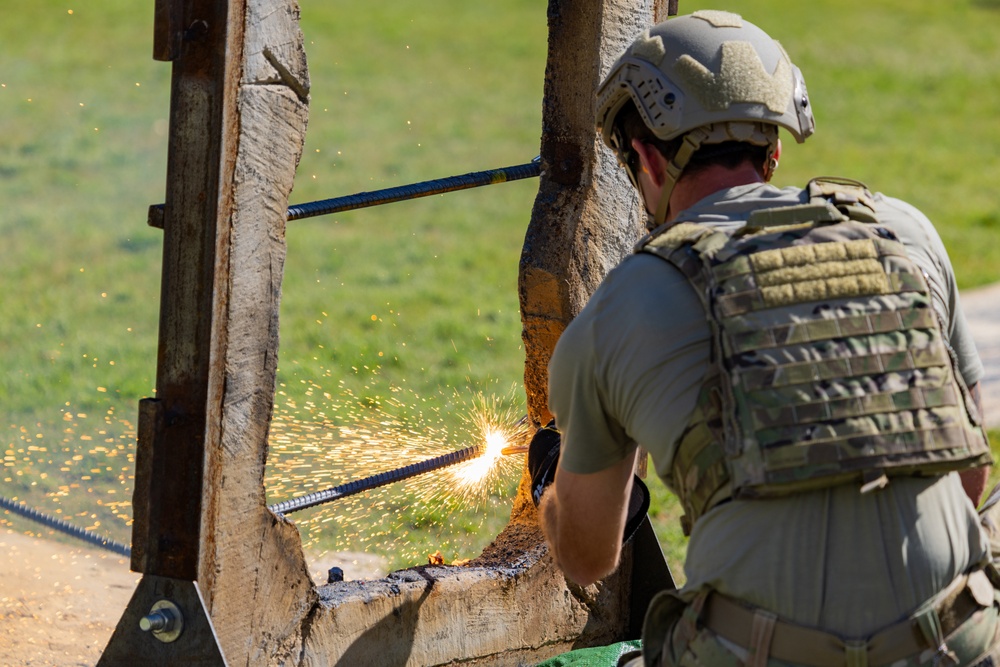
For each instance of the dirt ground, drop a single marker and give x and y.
(59, 603)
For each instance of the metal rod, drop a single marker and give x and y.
(424, 189)
(399, 193)
(375, 481)
(50, 521)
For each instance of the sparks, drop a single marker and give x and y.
(498, 428)
(331, 438)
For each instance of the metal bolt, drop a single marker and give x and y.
(164, 620)
(158, 621)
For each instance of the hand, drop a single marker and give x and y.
(543, 456)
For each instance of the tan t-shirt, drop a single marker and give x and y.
(627, 370)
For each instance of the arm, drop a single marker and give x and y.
(583, 517)
(974, 480)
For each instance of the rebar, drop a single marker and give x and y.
(399, 193)
(21, 509)
(375, 481)
(425, 189)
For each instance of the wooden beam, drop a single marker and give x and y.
(585, 217)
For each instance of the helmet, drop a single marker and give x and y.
(710, 77)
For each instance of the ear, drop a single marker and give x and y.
(772, 162)
(651, 161)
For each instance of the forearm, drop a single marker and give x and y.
(583, 518)
(581, 561)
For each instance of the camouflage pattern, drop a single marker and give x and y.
(976, 643)
(830, 362)
(676, 634)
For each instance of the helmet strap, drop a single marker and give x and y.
(692, 142)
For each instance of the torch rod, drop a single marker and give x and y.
(375, 481)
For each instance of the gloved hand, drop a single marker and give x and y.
(543, 456)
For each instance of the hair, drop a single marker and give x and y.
(729, 154)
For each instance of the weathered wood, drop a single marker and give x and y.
(245, 106)
(496, 611)
(253, 571)
(586, 214)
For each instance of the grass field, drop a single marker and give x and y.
(404, 313)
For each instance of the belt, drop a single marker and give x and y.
(748, 626)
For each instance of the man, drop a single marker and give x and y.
(796, 364)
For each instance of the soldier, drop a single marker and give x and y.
(797, 365)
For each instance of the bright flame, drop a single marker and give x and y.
(476, 470)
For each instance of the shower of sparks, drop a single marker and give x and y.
(78, 464)
(323, 442)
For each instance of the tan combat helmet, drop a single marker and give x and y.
(711, 77)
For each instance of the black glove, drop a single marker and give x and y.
(543, 456)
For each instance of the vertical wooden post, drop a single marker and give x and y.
(201, 531)
(180, 428)
(586, 215)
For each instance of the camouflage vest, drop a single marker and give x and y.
(829, 365)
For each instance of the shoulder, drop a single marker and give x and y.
(906, 220)
(643, 288)
(735, 204)
(918, 235)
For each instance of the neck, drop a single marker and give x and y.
(691, 189)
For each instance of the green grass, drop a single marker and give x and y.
(411, 306)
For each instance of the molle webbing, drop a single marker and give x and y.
(830, 363)
(749, 337)
(699, 475)
(802, 372)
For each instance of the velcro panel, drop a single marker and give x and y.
(817, 253)
(830, 369)
(822, 289)
(810, 273)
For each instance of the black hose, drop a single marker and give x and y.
(375, 481)
(65, 527)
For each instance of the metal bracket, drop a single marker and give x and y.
(167, 32)
(165, 623)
